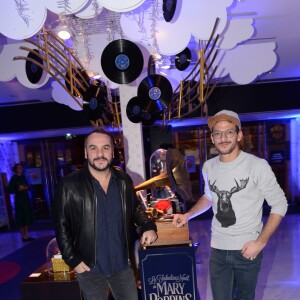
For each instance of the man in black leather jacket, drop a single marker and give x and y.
(96, 214)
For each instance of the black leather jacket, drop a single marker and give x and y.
(74, 213)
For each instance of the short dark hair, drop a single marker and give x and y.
(15, 167)
(100, 130)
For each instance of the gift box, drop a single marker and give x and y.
(58, 264)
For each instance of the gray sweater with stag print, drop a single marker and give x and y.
(238, 190)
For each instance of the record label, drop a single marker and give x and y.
(154, 93)
(122, 61)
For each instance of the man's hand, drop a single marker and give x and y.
(148, 237)
(179, 220)
(251, 249)
(82, 267)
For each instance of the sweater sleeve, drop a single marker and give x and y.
(270, 189)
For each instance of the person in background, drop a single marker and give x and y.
(236, 185)
(96, 214)
(24, 215)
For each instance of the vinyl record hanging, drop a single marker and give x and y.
(122, 61)
(183, 59)
(156, 91)
(34, 73)
(139, 110)
(134, 110)
(169, 7)
(94, 101)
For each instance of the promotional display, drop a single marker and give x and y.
(168, 273)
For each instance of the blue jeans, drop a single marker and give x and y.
(94, 286)
(233, 276)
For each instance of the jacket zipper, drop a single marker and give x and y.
(125, 221)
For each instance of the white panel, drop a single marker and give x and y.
(246, 62)
(237, 31)
(121, 5)
(133, 139)
(28, 18)
(91, 11)
(70, 6)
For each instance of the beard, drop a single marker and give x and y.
(229, 150)
(100, 169)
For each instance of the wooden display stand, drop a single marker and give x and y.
(168, 234)
(168, 266)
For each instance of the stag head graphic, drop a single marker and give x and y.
(225, 214)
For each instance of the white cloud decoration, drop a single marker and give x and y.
(61, 96)
(195, 19)
(244, 63)
(28, 18)
(121, 5)
(237, 31)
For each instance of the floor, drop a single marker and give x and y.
(280, 275)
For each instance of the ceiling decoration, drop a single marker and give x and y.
(95, 24)
(143, 22)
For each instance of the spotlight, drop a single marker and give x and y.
(69, 136)
(63, 32)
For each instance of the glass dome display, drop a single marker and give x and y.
(158, 162)
(51, 250)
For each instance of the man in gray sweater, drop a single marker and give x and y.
(236, 185)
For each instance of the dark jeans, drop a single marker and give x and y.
(233, 276)
(94, 286)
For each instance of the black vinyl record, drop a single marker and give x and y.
(156, 91)
(183, 59)
(169, 7)
(94, 101)
(33, 71)
(122, 61)
(139, 110)
(134, 110)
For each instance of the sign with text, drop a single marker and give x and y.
(168, 273)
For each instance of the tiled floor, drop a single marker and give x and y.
(280, 275)
(11, 241)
